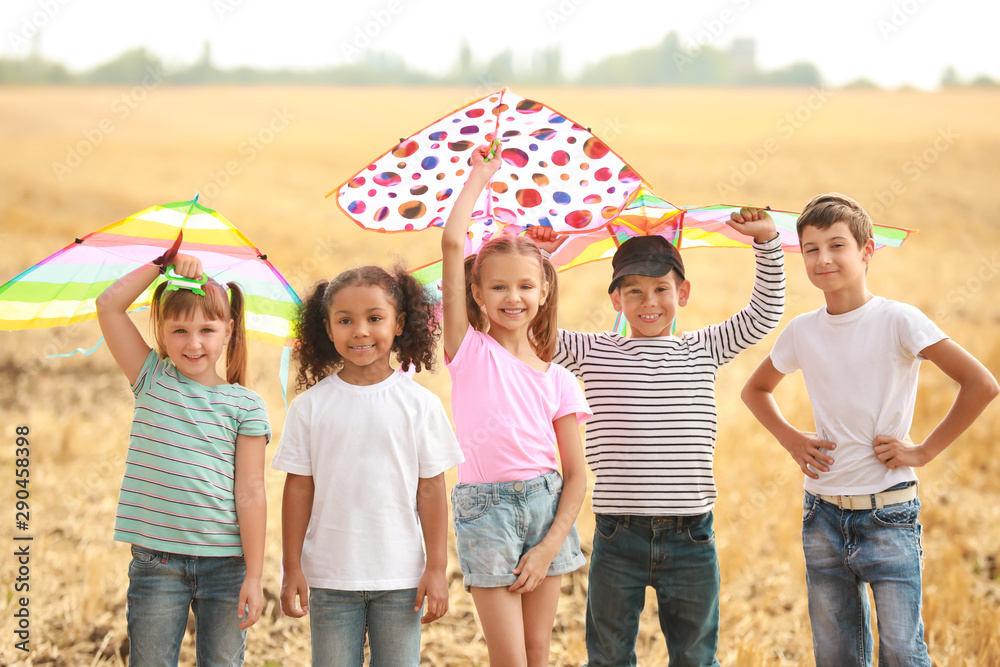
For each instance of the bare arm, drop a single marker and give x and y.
(534, 565)
(976, 388)
(432, 508)
(456, 319)
(124, 340)
(296, 509)
(251, 512)
(805, 448)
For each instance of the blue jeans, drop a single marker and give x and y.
(674, 555)
(846, 551)
(163, 587)
(339, 621)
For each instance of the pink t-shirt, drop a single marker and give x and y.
(503, 411)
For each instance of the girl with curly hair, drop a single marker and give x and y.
(365, 448)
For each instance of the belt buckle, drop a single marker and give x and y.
(846, 502)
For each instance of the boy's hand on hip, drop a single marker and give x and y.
(896, 453)
(753, 222)
(810, 453)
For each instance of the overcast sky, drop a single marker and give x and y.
(892, 43)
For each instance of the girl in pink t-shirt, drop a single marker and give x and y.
(514, 513)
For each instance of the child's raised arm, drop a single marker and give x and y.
(124, 340)
(456, 318)
(753, 222)
(976, 388)
(806, 448)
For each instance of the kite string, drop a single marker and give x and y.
(496, 138)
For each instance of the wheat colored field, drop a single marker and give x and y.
(919, 160)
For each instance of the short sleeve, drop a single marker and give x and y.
(916, 331)
(437, 446)
(571, 398)
(471, 346)
(294, 453)
(145, 378)
(783, 356)
(254, 419)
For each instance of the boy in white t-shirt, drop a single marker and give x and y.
(860, 356)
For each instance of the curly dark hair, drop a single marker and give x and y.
(316, 356)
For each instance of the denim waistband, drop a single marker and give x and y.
(548, 481)
(656, 521)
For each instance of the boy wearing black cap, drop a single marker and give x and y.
(651, 442)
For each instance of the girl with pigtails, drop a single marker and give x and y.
(192, 501)
(513, 409)
(365, 449)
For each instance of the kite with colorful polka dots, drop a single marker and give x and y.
(555, 173)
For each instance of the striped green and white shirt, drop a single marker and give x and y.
(651, 441)
(178, 494)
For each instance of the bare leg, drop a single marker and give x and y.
(500, 614)
(538, 609)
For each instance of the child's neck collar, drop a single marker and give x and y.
(838, 303)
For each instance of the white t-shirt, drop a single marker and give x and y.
(365, 448)
(860, 369)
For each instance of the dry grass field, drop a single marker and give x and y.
(922, 160)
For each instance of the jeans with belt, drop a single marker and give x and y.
(848, 550)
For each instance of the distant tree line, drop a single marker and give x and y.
(668, 63)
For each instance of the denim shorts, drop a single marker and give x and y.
(496, 523)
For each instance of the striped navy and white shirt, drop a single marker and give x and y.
(652, 438)
(178, 494)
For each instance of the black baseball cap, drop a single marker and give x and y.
(652, 256)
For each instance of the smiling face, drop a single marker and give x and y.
(363, 324)
(650, 304)
(194, 343)
(510, 289)
(833, 260)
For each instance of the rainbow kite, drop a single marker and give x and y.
(646, 214)
(62, 288)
